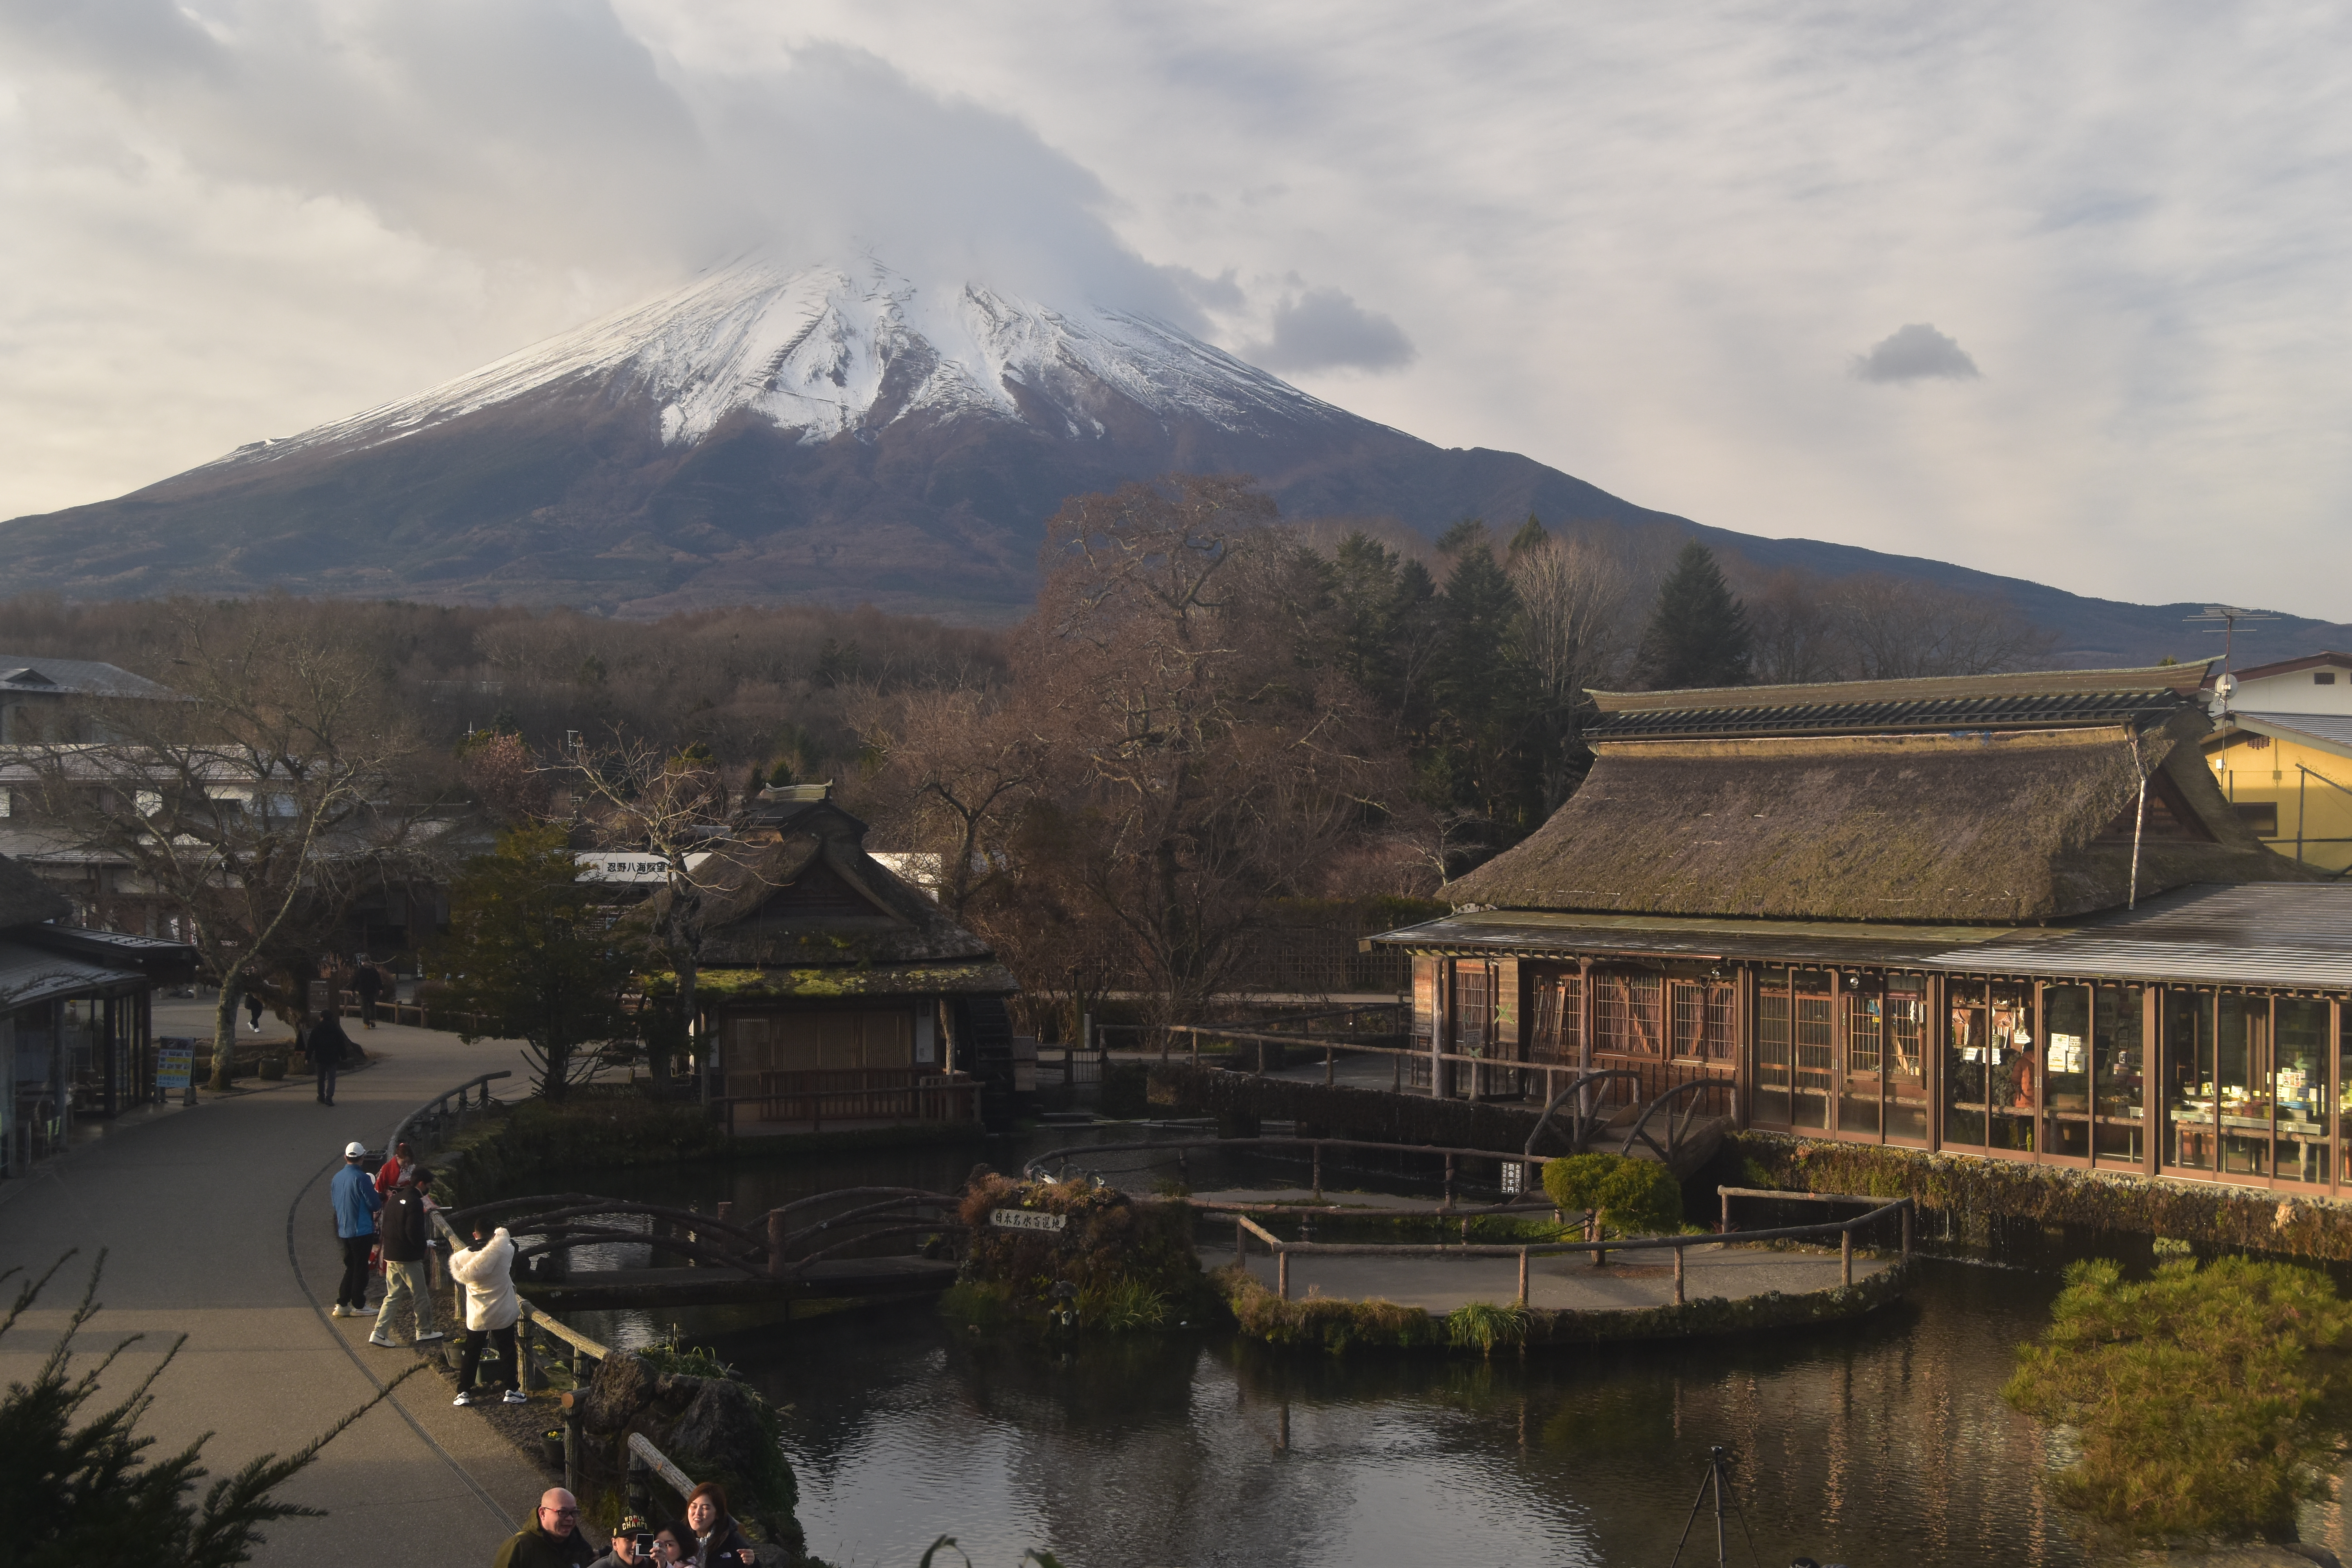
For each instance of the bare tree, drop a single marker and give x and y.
(956, 770)
(1199, 765)
(675, 806)
(1572, 597)
(253, 804)
(1897, 628)
(1797, 637)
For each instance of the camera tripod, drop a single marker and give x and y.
(1718, 1477)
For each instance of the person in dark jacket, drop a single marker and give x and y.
(355, 1211)
(552, 1538)
(408, 1232)
(329, 1048)
(367, 983)
(719, 1542)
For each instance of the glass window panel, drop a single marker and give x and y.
(1774, 1084)
(2306, 1118)
(1816, 1036)
(2189, 1079)
(2010, 1060)
(2119, 1065)
(1966, 1069)
(2065, 1057)
(1864, 1082)
(2241, 1076)
(1904, 1036)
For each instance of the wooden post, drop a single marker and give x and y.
(1396, 1073)
(1523, 1275)
(522, 1368)
(1241, 1243)
(1726, 1229)
(1327, 1067)
(1282, 1273)
(1906, 1230)
(1449, 1181)
(1319, 1173)
(1845, 1256)
(777, 1230)
(1261, 1059)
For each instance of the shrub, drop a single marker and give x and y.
(1326, 1322)
(1115, 1252)
(1633, 1196)
(1481, 1325)
(2199, 1410)
(1122, 1305)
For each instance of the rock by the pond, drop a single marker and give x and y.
(712, 1428)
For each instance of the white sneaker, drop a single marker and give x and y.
(380, 1340)
(517, 1396)
(428, 1338)
(463, 1399)
(338, 1311)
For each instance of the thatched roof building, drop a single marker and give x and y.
(800, 906)
(1993, 799)
(837, 993)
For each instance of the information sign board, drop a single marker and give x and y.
(1026, 1219)
(175, 1059)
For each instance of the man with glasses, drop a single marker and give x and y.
(553, 1540)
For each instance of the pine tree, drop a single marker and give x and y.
(1698, 635)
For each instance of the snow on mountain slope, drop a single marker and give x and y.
(824, 350)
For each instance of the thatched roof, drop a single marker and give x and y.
(25, 899)
(2006, 827)
(801, 903)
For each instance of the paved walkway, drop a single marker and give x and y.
(216, 1225)
(1567, 1282)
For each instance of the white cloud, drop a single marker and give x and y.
(1323, 329)
(1639, 243)
(1915, 353)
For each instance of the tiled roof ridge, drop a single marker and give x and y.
(2178, 678)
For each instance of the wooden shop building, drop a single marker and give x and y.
(2010, 916)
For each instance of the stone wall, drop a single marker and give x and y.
(1969, 1198)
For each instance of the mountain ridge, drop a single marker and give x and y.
(835, 436)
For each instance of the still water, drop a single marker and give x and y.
(1885, 1442)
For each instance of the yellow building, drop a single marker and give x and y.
(2281, 753)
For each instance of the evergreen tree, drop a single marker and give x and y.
(1532, 535)
(1698, 635)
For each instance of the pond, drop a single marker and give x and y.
(1884, 1442)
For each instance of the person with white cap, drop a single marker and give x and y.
(356, 1206)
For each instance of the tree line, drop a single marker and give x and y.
(1211, 722)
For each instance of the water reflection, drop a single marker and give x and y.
(1883, 1443)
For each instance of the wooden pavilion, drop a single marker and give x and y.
(835, 991)
(2009, 915)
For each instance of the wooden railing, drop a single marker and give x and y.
(854, 1094)
(1842, 1229)
(429, 1119)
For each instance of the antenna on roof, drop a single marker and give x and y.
(2229, 615)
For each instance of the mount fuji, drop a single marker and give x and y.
(827, 434)
(765, 435)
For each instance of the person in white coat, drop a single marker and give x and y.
(486, 1271)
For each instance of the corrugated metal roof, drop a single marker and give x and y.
(38, 672)
(1936, 716)
(29, 975)
(2333, 730)
(2288, 935)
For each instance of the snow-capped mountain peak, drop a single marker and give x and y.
(827, 350)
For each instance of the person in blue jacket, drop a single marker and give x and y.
(357, 1203)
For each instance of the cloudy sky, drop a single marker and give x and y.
(2059, 291)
